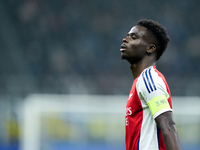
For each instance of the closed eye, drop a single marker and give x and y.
(132, 36)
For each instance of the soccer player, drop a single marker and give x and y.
(149, 118)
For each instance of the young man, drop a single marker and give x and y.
(149, 118)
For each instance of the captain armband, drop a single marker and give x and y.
(158, 103)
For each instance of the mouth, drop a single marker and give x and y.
(123, 48)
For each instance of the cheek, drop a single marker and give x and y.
(140, 46)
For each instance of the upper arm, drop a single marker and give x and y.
(152, 91)
(165, 120)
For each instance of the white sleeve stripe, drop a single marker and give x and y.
(147, 78)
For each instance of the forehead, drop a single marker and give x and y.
(138, 30)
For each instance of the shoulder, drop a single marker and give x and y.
(149, 78)
(151, 83)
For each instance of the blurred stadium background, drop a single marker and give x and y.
(71, 47)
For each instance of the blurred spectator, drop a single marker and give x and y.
(73, 46)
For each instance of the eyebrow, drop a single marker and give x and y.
(138, 35)
(131, 34)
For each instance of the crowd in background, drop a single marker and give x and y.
(72, 46)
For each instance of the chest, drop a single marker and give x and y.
(134, 104)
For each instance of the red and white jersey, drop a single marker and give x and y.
(149, 97)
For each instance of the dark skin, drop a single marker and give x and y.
(139, 50)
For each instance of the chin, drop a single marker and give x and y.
(124, 56)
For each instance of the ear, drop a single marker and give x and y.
(151, 48)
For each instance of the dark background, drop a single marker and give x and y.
(72, 46)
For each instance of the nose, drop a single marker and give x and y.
(125, 40)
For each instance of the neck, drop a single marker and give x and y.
(138, 68)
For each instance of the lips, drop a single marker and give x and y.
(123, 48)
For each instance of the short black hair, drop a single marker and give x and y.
(158, 32)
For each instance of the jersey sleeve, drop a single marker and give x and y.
(152, 90)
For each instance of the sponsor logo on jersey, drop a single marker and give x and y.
(130, 95)
(128, 111)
